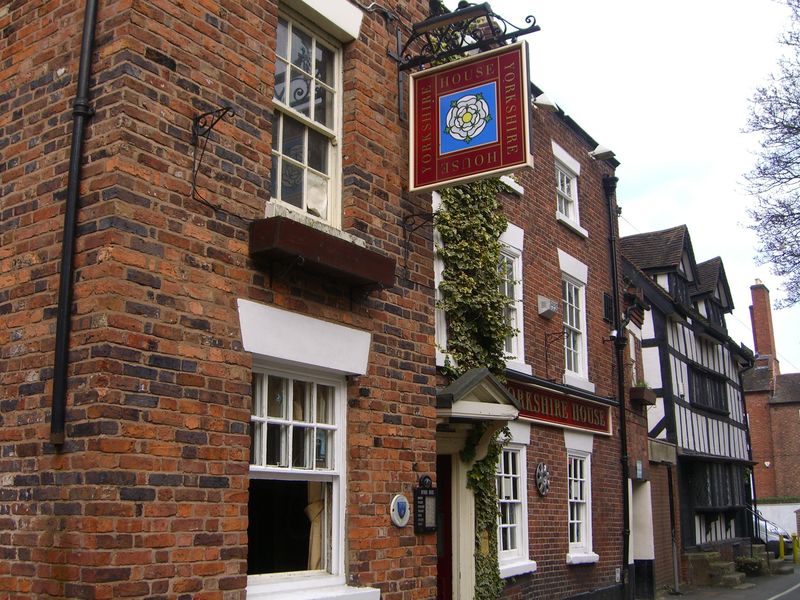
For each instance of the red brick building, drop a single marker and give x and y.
(232, 373)
(773, 400)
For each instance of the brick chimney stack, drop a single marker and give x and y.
(761, 320)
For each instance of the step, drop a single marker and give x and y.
(783, 570)
(722, 567)
(732, 579)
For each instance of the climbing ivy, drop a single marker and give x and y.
(470, 223)
(481, 480)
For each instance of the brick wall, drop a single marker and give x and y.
(760, 418)
(148, 496)
(786, 427)
(662, 530)
(535, 213)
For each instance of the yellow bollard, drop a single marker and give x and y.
(795, 548)
(781, 549)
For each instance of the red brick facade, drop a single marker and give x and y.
(148, 496)
(773, 400)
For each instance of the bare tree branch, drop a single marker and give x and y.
(774, 180)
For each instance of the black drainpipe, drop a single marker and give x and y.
(620, 341)
(81, 111)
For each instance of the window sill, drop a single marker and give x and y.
(317, 247)
(577, 381)
(582, 558)
(519, 367)
(517, 567)
(306, 587)
(570, 224)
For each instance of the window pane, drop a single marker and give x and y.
(324, 65)
(300, 442)
(276, 439)
(256, 442)
(324, 403)
(292, 184)
(301, 401)
(276, 399)
(280, 81)
(301, 49)
(300, 94)
(282, 45)
(294, 136)
(323, 106)
(258, 395)
(274, 176)
(318, 146)
(317, 201)
(321, 449)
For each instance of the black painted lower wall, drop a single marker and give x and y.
(643, 580)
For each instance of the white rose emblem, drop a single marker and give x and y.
(467, 117)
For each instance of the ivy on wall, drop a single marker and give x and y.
(481, 480)
(470, 223)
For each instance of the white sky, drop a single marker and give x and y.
(667, 86)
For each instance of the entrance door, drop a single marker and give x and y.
(444, 528)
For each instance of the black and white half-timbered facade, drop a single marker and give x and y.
(694, 367)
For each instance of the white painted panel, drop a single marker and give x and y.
(648, 327)
(642, 522)
(300, 339)
(651, 367)
(340, 18)
(655, 413)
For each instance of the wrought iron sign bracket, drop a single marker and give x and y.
(202, 126)
(409, 227)
(470, 27)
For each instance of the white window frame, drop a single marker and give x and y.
(579, 446)
(335, 573)
(333, 133)
(517, 561)
(571, 168)
(577, 273)
(440, 318)
(512, 241)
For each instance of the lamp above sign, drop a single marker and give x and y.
(469, 119)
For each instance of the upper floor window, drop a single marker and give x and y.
(306, 122)
(510, 266)
(572, 308)
(567, 171)
(574, 276)
(566, 191)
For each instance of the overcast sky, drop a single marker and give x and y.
(667, 87)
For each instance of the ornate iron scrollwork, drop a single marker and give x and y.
(470, 27)
(202, 126)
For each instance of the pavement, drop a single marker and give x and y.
(762, 587)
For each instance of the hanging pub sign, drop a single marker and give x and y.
(469, 119)
(552, 408)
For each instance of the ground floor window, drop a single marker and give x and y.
(512, 497)
(579, 497)
(296, 451)
(578, 500)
